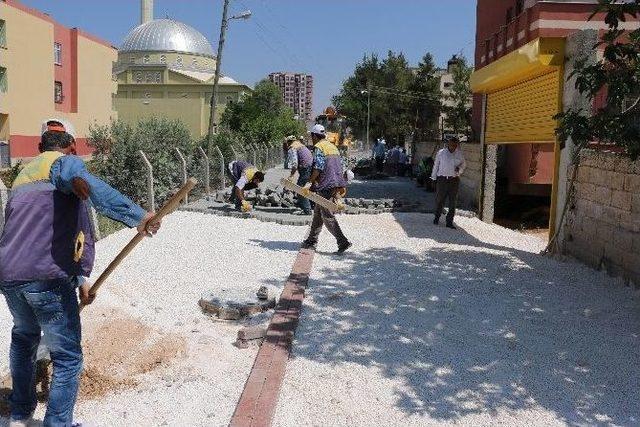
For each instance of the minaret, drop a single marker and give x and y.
(146, 8)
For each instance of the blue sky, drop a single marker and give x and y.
(323, 38)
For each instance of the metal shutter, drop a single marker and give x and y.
(524, 112)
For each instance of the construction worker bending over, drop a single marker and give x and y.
(244, 177)
(328, 180)
(300, 159)
(46, 248)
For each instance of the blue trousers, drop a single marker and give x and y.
(50, 307)
(304, 174)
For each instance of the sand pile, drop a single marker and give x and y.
(119, 348)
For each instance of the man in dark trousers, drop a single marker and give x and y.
(46, 249)
(300, 159)
(327, 179)
(448, 167)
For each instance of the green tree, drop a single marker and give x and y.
(618, 73)
(117, 161)
(458, 113)
(261, 117)
(401, 98)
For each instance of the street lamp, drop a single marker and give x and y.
(214, 98)
(368, 92)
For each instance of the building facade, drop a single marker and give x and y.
(297, 92)
(48, 70)
(446, 89)
(518, 89)
(165, 68)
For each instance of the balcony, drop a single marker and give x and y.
(540, 18)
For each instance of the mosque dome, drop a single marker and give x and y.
(167, 35)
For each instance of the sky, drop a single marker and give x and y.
(322, 38)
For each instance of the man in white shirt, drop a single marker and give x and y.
(448, 167)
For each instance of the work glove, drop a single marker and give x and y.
(306, 190)
(246, 206)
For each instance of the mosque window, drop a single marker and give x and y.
(229, 100)
(146, 59)
(3, 33)
(132, 59)
(194, 62)
(179, 61)
(158, 77)
(138, 77)
(163, 59)
(3, 80)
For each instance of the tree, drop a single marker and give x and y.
(261, 117)
(458, 113)
(398, 94)
(618, 73)
(117, 161)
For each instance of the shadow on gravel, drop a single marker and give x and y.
(478, 329)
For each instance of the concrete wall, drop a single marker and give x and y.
(603, 221)
(468, 197)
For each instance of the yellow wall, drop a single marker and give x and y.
(30, 67)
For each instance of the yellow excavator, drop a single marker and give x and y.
(336, 127)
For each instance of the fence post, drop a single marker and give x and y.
(184, 171)
(207, 190)
(150, 196)
(266, 155)
(223, 167)
(255, 155)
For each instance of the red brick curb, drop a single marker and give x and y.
(259, 398)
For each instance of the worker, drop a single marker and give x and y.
(379, 153)
(300, 159)
(328, 180)
(245, 177)
(448, 167)
(46, 250)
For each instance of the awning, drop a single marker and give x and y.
(531, 60)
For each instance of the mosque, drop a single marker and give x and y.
(165, 68)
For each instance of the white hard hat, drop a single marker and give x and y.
(318, 129)
(51, 124)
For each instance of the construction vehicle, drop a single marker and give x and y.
(336, 128)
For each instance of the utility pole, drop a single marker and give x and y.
(216, 78)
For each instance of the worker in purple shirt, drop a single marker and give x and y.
(300, 159)
(46, 248)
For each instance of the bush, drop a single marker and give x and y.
(118, 162)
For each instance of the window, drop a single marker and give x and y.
(132, 59)
(519, 7)
(145, 59)
(194, 62)
(58, 97)
(229, 100)
(57, 53)
(3, 33)
(179, 61)
(3, 80)
(138, 77)
(163, 59)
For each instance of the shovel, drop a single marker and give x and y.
(42, 357)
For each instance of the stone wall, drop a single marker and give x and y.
(472, 177)
(603, 221)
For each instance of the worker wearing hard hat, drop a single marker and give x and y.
(245, 177)
(328, 180)
(300, 160)
(46, 248)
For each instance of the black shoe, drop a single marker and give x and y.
(436, 221)
(343, 247)
(308, 245)
(451, 226)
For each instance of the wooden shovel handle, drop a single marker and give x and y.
(171, 205)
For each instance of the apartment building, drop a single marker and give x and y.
(297, 92)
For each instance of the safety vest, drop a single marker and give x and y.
(305, 157)
(47, 234)
(333, 175)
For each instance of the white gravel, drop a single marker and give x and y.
(418, 325)
(421, 325)
(160, 284)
